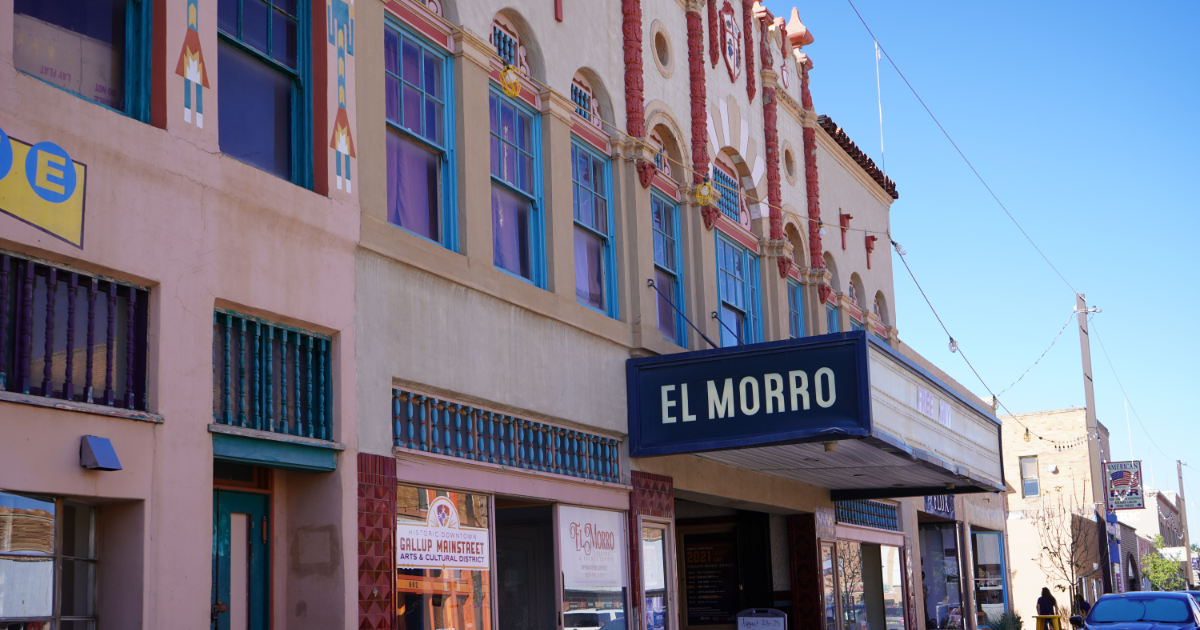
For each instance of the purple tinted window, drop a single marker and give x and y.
(99, 25)
(510, 232)
(255, 23)
(589, 268)
(512, 144)
(413, 186)
(255, 110)
(283, 40)
(666, 314)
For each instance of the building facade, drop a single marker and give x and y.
(360, 370)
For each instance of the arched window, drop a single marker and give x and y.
(854, 291)
(587, 106)
(831, 308)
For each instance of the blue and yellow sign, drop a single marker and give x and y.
(41, 185)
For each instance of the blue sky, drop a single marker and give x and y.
(1082, 118)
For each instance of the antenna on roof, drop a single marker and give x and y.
(879, 95)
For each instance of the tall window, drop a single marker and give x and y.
(420, 137)
(795, 310)
(264, 109)
(98, 49)
(737, 284)
(831, 317)
(594, 265)
(48, 562)
(1029, 477)
(517, 244)
(665, 221)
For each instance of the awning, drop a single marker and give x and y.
(842, 411)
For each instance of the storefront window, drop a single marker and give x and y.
(988, 557)
(443, 578)
(592, 554)
(893, 587)
(829, 586)
(654, 577)
(940, 586)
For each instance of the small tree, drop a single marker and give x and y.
(1162, 572)
(1068, 541)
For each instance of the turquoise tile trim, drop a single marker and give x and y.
(274, 454)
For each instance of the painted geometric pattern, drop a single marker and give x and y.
(376, 548)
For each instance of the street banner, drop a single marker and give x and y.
(1123, 483)
(441, 542)
(593, 548)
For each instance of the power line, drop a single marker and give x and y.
(1039, 359)
(960, 152)
(1091, 320)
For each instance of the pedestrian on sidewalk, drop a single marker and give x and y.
(1046, 607)
(1082, 605)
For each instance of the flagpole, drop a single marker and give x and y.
(879, 97)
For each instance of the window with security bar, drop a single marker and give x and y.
(271, 377)
(72, 336)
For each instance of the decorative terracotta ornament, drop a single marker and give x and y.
(825, 292)
(710, 214)
(785, 265)
(797, 32)
(635, 100)
(731, 39)
(714, 44)
(510, 81)
(870, 248)
(646, 170)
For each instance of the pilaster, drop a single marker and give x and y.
(472, 66)
(557, 193)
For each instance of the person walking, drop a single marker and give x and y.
(1082, 605)
(1046, 607)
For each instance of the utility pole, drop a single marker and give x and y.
(1183, 522)
(1093, 432)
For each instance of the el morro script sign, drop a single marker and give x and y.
(783, 392)
(441, 542)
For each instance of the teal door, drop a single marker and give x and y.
(241, 557)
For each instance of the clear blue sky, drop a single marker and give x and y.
(1083, 119)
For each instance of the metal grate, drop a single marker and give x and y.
(583, 102)
(868, 514)
(729, 189)
(506, 47)
(444, 427)
(271, 377)
(71, 336)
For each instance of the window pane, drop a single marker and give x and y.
(586, 212)
(510, 232)
(78, 531)
(1029, 468)
(255, 14)
(667, 317)
(508, 169)
(828, 587)
(393, 99)
(589, 268)
(283, 46)
(508, 123)
(26, 525)
(255, 112)
(433, 76)
(433, 121)
(227, 16)
(598, 177)
(1031, 487)
(28, 587)
(582, 169)
(593, 576)
(411, 62)
(660, 248)
(78, 624)
(412, 109)
(77, 45)
(78, 585)
(414, 193)
(524, 137)
(601, 209)
(731, 326)
(288, 6)
(526, 175)
(391, 51)
(850, 570)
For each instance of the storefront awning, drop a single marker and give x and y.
(843, 411)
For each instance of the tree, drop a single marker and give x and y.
(1068, 535)
(1163, 572)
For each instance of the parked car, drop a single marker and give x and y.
(1153, 610)
(590, 618)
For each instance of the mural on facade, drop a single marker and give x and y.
(41, 185)
(340, 17)
(731, 35)
(191, 67)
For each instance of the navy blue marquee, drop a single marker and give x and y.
(813, 389)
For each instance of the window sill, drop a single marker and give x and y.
(275, 437)
(70, 405)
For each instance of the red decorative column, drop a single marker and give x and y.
(812, 187)
(376, 542)
(635, 102)
(652, 495)
(748, 47)
(714, 40)
(771, 139)
(695, 27)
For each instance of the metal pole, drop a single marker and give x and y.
(1187, 553)
(1093, 434)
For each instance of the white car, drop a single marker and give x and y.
(590, 618)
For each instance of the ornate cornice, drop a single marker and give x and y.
(866, 163)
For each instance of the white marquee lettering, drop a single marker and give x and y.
(820, 391)
(749, 380)
(667, 403)
(722, 406)
(687, 417)
(799, 390)
(773, 391)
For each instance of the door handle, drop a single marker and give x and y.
(218, 608)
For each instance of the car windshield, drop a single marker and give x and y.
(1156, 609)
(582, 620)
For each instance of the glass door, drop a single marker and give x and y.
(829, 585)
(656, 590)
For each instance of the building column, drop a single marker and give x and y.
(472, 84)
(557, 194)
(376, 541)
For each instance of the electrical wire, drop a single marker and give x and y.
(1096, 330)
(960, 152)
(1060, 332)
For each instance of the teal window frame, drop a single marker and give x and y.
(537, 221)
(301, 137)
(856, 325)
(449, 211)
(730, 285)
(671, 209)
(139, 44)
(831, 317)
(612, 308)
(795, 309)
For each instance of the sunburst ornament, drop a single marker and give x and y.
(704, 194)
(510, 81)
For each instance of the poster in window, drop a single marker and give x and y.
(441, 542)
(592, 546)
(711, 571)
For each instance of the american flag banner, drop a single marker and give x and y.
(1124, 485)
